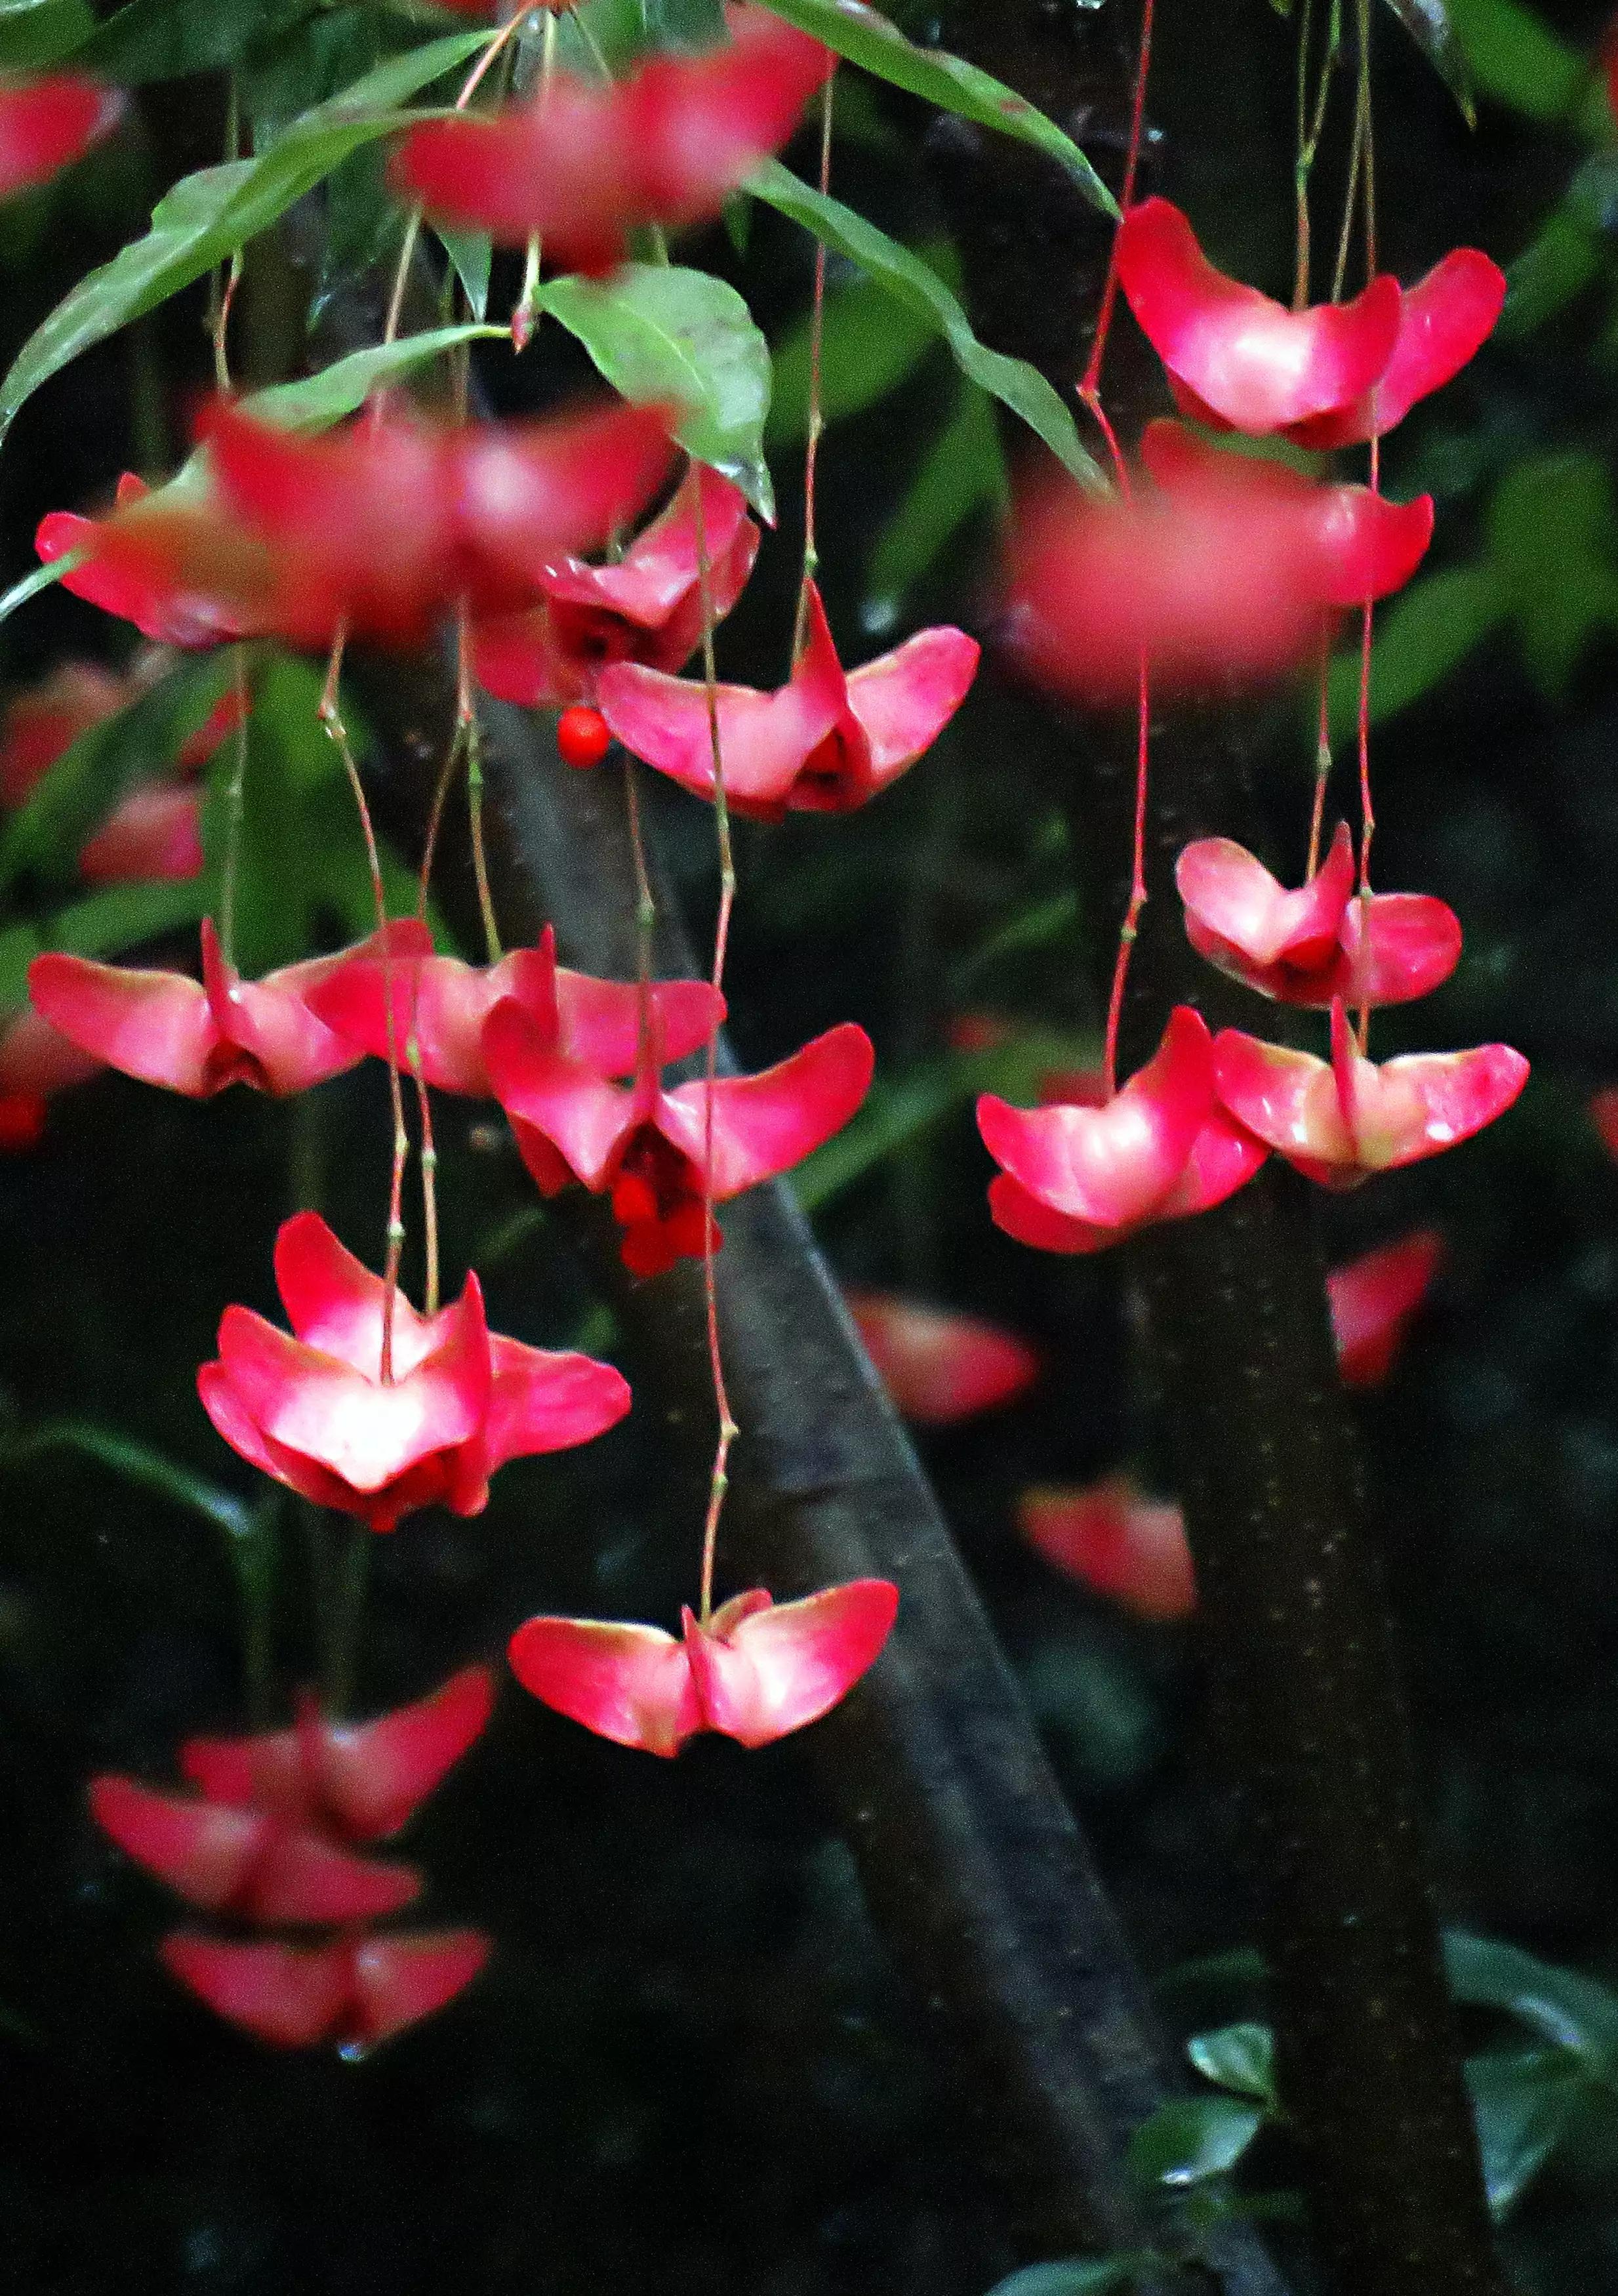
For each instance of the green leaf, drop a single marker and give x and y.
(41, 578)
(137, 1462)
(44, 835)
(868, 346)
(320, 399)
(1571, 2011)
(658, 331)
(1428, 24)
(1559, 263)
(684, 25)
(1551, 539)
(876, 46)
(1523, 2104)
(1513, 57)
(1192, 2138)
(165, 39)
(905, 277)
(206, 215)
(34, 33)
(1426, 632)
(1077, 2276)
(472, 253)
(962, 470)
(1239, 2057)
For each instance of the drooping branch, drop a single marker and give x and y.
(1294, 1618)
(973, 1863)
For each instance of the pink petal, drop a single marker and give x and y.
(630, 1684)
(1225, 1157)
(939, 1366)
(659, 570)
(292, 1996)
(153, 571)
(36, 1060)
(152, 835)
(1443, 320)
(263, 1773)
(527, 493)
(578, 1112)
(781, 1667)
(442, 1000)
(1025, 1218)
(1252, 360)
(1370, 546)
(1233, 904)
(700, 126)
(1116, 1541)
(39, 727)
(1373, 1298)
(401, 1978)
(282, 1046)
(903, 700)
(335, 1304)
(1287, 1099)
(1418, 1106)
(560, 169)
(543, 1401)
(205, 1852)
(375, 1776)
(1115, 1164)
(301, 1878)
(46, 123)
(1395, 947)
(764, 1124)
(1604, 1115)
(600, 1020)
(233, 1422)
(153, 1025)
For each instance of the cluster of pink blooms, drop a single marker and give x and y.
(1231, 568)
(273, 1838)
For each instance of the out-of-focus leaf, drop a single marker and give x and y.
(1428, 24)
(1239, 2057)
(868, 346)
(1523, 2104)
(685, 25)
(319, 400)
(165, 39)
(44, 834)
(136, 1462)
(472, 253)
(1550, 539)
(104, 924)
(1565, 2008)
(35, 33)
(905, 277)
(963, 469)
(1514, 56)
(1192, 2138)
(1077, 2276)
(660, 331)
(1559, 263)
(207, 215)
(1421, 637)
(876, 46)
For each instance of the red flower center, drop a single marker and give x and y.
(656, 1200)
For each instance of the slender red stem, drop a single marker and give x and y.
(1316, 819)
(1091, 385)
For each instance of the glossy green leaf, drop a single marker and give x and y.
(906, 278)
(869, 344)
(1523, 2104)
(869, 40)
(472, 253)
(1429, 25)
(1192, 2138)
(1239, 2057)
(318, 400)
(658, 331)
(207, 215)
(1570, 2010)
(165, 39)
(963, 471)
(44, 835)
(35, 33)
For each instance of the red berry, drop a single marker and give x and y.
(582, 738)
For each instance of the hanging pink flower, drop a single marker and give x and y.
(647, 1149)
(1251, 360)
(826, 742)
(1373, 1299)
(1339, 1120)
(645, 607)
(940, 1367)
(584, 164)
(197, 1037)
(360, 1781)
(247, 1862)
(1079, 1178)
(46, 124)
(1443, 321)
(314, 1410)
(1322, 942)
(1114, 1539)
(148, 567)
(756, 1671)
(447, 1001)
(355, 1993)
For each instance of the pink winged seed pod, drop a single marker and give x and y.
(1322, 941)
(756, 1670)
(1373, 1300)
(355, 1993)
(648, 1148)
(312, 1409)
(361, 1781)
(826, 742)
(1078, 1179)
(446, 1001)
(1114, 1539)
(1337, 1121)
